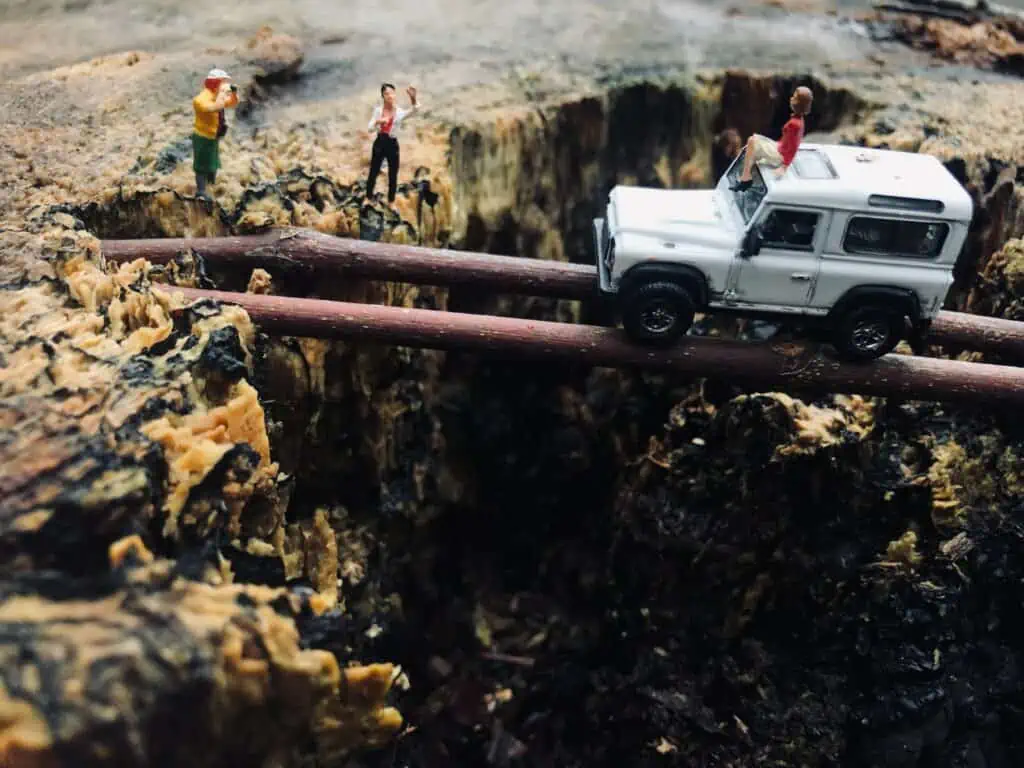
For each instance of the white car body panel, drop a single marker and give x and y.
(704, 229)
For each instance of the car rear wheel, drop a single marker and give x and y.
(868, 332)
(658, 313)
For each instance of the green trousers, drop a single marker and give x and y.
(205, 154)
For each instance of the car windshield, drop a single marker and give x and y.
(748, 199)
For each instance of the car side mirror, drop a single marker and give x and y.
(752, 242)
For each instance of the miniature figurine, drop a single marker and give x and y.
(778, 155)
(218, 94)
(386, 120)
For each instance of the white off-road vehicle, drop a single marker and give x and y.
(854, 242)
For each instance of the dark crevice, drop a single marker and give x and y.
(638, 586)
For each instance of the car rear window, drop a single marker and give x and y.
(895, 237)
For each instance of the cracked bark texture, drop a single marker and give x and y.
(127, 419)
(161, 663)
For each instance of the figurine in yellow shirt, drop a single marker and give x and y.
(217, 95)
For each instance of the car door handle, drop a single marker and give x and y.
(799, 276)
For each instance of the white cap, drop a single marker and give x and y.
(218, 74)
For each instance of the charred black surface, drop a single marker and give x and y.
(223, 360)
(255, 569)
(236, 466)
(162, 212)
(147, 683)
(721, 599)
(76, 529)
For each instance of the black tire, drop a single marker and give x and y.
(867, 332)
(658, 313)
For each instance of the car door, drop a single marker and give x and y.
(883, 250)
(784, 271)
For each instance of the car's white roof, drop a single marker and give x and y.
(839, 176)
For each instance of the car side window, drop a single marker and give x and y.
(792, 230)
(915, 239)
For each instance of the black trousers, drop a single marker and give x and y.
(384, 148)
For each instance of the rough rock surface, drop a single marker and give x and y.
(999, 290)
(128, 418)
(161, 663)
(977, 36)
(575, 568)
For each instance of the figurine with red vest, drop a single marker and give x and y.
(778, 154)
(385, 123)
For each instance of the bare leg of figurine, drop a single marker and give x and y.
(746, 176)
(748, 161)
(200, 184)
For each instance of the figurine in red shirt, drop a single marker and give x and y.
(778, 155)
(385, 123)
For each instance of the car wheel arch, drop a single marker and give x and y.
(686, 275)
(901, 300)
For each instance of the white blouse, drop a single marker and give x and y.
(400, 115)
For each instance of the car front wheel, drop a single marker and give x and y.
(868, 332)
(658, 313)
